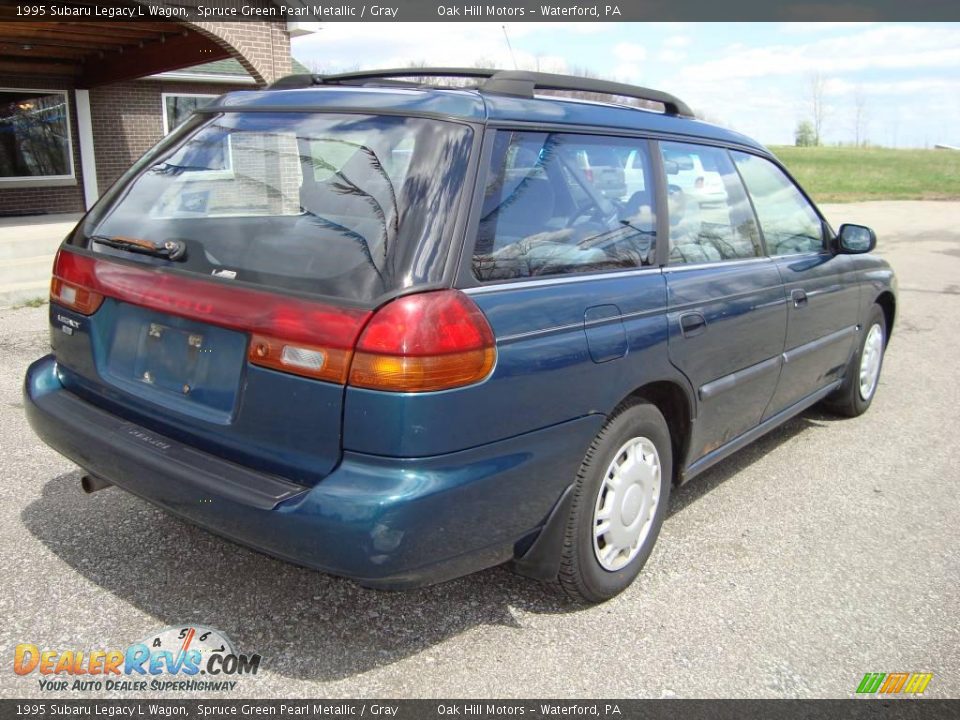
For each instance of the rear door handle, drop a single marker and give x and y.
(799, 298)
(692, 324)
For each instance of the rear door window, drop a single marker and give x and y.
(790, 224)
(347, 206)
(710, 216)
(558, 203)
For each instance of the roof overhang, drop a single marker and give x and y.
(98, 53)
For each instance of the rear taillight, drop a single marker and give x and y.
(430, 341)
(72, 286)
(698, 183)
(289, 334)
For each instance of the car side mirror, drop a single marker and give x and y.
(855, 239)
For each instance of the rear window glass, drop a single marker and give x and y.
(349, 206)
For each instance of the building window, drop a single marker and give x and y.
(35, 135)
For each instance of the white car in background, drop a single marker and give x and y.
(602, 170)
(697, 183)
(685, 171)
(633, 173)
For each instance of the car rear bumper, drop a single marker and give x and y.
(384, 522)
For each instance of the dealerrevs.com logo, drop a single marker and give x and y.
(189, 658)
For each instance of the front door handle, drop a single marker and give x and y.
(799, 298)
(692, 324)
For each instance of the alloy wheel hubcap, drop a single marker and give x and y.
(626, 504)
(870, 361)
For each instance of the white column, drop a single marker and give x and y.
(88, 162)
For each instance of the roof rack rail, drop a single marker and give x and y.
(524, 83)
(516, 83)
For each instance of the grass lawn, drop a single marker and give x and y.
(840, 174)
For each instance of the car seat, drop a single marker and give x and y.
(525, 211)
(686, 242)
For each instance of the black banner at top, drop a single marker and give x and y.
(479, 11)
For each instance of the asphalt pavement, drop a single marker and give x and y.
(827, 549)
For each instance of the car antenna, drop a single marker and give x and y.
(509, 46)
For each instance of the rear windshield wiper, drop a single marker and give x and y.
(170, 250)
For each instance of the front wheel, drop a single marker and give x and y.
(619, 502)
(859, 386)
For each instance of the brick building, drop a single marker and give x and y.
(80, 102)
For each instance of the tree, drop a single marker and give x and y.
(805, 135)
(860, 117)
(817, 85)
(321, 68)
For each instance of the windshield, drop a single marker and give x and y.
(349, 206)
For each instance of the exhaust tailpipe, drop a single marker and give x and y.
(92, 483)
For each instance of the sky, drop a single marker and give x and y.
(752, 77)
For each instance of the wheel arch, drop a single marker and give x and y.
(675, 404)
(887, 303)
(539, 556)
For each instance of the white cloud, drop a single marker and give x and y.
(896, 109)
(756, 83)
(881, 47)
(677, 41)
(907, 73)
(336, 46)
(671, 56)
(673, 49)
(670, 26)
(819, 27)
(897, 88)
(630, 52)
(630, 58)
(769, 116)
(628, 73)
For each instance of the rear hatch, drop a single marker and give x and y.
(216, 293)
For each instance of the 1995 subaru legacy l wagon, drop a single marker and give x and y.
(401, 333)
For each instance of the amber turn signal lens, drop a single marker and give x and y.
(75, 297)
(419, 343)
(421, 374)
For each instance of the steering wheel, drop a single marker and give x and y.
(589, 210)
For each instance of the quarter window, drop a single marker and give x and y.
(34, 135)
(790, 224)
(556, 203)
(710, 216)
(177, 108)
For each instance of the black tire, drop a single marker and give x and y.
(848, 400)
(582, 577)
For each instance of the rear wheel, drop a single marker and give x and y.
(619, 502)
(859, 386)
